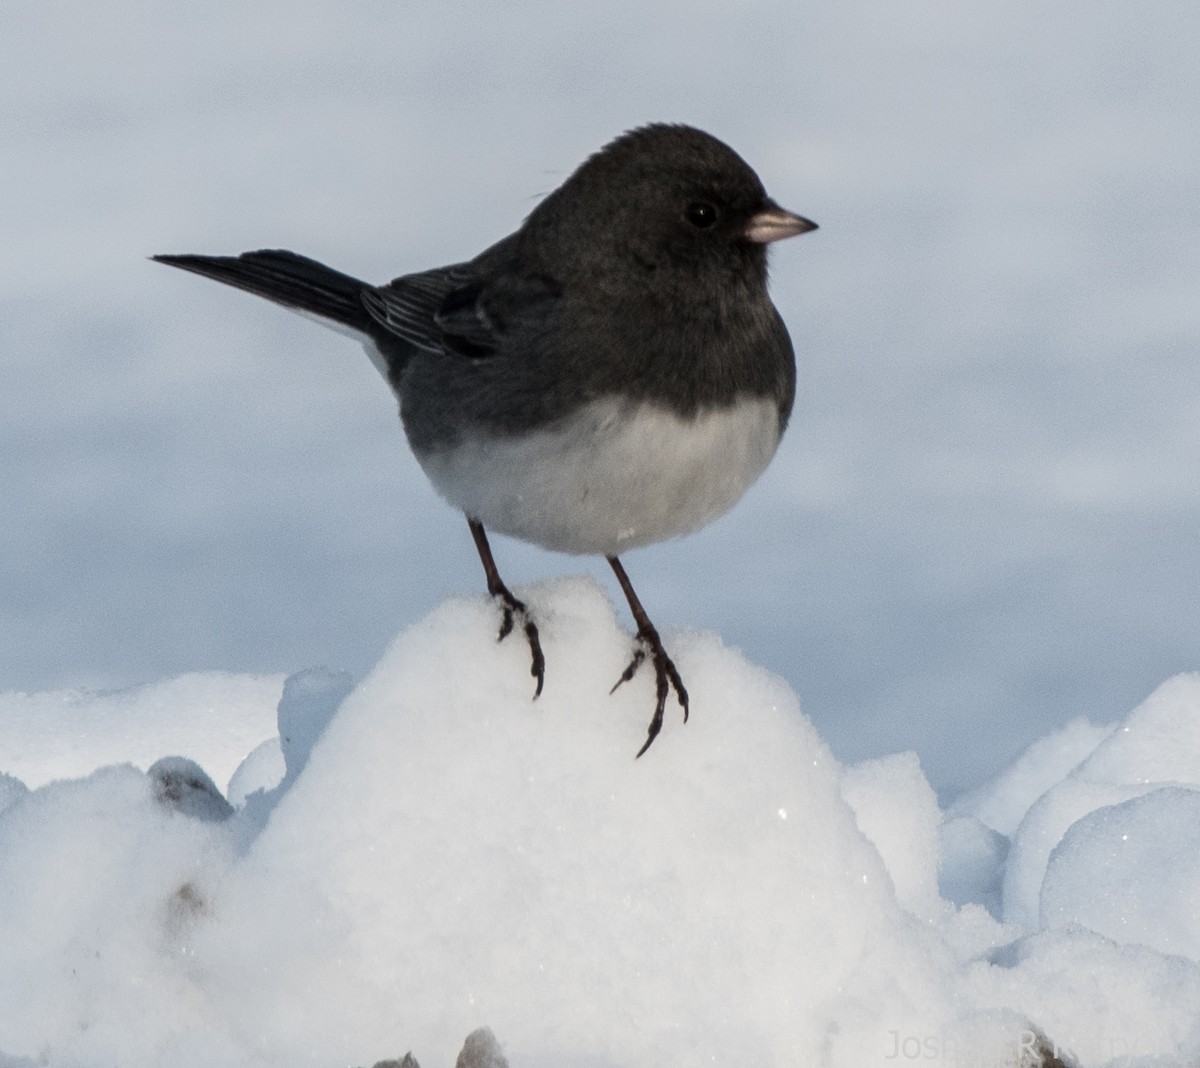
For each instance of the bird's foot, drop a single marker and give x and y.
(666, 677)
(514, 610)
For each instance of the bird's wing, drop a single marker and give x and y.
(408, 306)
(458, 311)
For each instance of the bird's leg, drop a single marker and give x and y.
(649, 643)
(512, 606)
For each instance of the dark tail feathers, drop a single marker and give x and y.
(288, 279)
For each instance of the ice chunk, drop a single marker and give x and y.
(1158, 744)
(183, 785)
(481, 1050)
(310, 698)
(971, 868)
(896, 808)
(1040, 832)
(1132, 872)
(262, 770)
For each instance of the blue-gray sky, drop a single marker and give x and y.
(984, 521)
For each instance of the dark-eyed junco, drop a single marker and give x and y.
(611, 374)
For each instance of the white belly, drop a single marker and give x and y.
(617, 476)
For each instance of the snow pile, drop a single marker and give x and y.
(1117, 834)
(432, 851)
(214, 717)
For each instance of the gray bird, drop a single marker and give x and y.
(610, 375)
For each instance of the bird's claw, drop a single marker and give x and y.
(513, 608)
(666, 677)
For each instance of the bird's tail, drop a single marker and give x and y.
(291, 280)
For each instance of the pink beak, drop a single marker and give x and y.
(774, 224)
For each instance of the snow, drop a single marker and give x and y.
(1158, 744)
(1001, 803)
(895, 808)
(213, 716)
(1130, 871)
(430, 851)
(978, 536)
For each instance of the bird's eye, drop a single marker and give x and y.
(701, 214)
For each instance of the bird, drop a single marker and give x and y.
(610, 375)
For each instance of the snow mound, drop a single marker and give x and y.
(1131, 871)
(433, 851)
(1157, 745)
